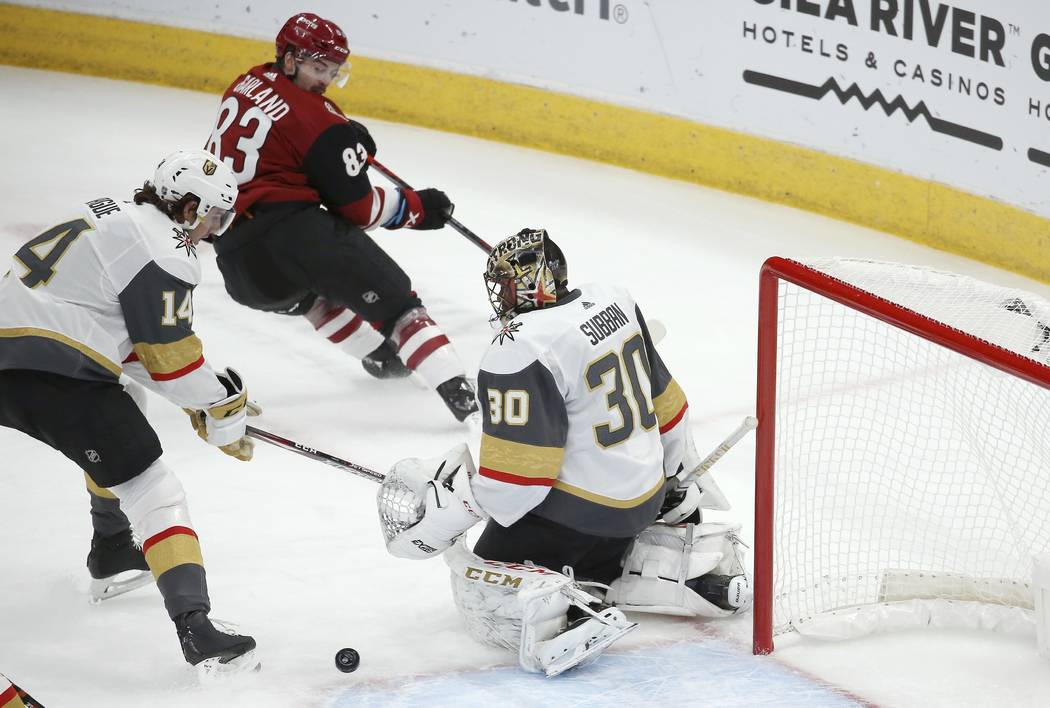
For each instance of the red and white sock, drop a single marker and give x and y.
(344, 327)
(425, 349)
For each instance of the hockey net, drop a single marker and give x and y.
(903, 450)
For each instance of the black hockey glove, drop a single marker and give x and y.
(424, 210)
(437, 209)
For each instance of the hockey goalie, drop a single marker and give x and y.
(584, 482)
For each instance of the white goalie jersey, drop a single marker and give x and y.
(582, 422)
(106, 292)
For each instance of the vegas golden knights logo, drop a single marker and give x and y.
(209, 167)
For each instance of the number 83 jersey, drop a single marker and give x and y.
(286, 144)
(108, 291)
(582, 422)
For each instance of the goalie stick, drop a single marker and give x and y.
(467, 233)
(746, 426)
(657, 331)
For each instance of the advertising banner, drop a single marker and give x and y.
(952, 93)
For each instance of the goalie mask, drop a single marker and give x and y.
(525, 272)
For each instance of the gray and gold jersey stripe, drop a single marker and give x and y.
(43, 349)
(525, 426)
(158, 311)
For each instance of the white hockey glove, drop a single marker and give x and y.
(683, 504)
(436, 492)
(222, 424)
(683, 501)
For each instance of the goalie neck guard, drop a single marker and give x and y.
(525, 272)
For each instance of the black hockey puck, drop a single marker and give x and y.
(347, 660)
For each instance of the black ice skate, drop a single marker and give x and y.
(384, 363)
(116, 566)
(728, 592)
(458, 394)
(211, 648)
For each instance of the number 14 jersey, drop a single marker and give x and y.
(108, 292)
(582, 422)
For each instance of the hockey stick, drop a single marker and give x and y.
(470, 235)
(749, 423)
(313, 454)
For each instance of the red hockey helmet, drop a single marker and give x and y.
(312, 37)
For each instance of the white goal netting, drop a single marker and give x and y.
(905, 471)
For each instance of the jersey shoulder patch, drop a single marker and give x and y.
(167, 245)
(513, 348)
(506, 332)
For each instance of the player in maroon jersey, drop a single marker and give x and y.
(299, 245)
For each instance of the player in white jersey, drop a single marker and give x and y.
(585, 445)
(103, 299)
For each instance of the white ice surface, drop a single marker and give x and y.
(293, 552)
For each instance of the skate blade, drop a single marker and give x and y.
(215, 670)
(594, 649)
(107, 588)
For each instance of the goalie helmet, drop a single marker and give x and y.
(525, 272)
(201, 175)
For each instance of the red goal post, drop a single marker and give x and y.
(789, 292)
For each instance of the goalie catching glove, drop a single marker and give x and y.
(425, 505)
(223, 423)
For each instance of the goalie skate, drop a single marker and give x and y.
(582, 643)
(126, 581)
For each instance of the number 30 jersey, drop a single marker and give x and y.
(287, 144)
(582, 422)
(108, 291)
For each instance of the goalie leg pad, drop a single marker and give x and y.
(664, 558)
(488, 595)
(524, 608)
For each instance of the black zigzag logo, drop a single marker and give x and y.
(920, 109)
(1039, 157)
